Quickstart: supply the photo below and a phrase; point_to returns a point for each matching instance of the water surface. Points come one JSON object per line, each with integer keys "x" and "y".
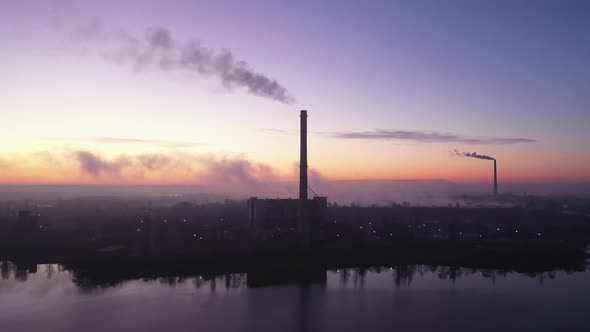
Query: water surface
{"x": 401, "y": 298}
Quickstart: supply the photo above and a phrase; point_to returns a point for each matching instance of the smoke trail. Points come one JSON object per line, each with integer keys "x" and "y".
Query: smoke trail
{"x": 472, "y": 155}
{"x": 158, "y": 48}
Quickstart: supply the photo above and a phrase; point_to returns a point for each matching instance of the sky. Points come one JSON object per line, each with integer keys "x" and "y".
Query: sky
{"x": 178, "y": 91}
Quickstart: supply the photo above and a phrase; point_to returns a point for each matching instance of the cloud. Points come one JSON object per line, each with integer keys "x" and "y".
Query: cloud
{"x": 275, "y": 131}
{"x": 93, "y": 164}
{"x": 239, "y": 177}
{"x": 427, "y": 137}
{"x": 154, "y": 161}
{"x": 207, "y": 169}
{"x": 158, "y": 48}
{"x": 236, "y": 171}
{"x": 234, "y": 175}
{"x": 96, "y": 165}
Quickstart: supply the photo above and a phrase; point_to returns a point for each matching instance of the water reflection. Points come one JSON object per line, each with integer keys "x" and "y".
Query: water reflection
{"x": 20, "y": 272}
{"x": 380, "y": 298}
{"x": 401, "y": 276}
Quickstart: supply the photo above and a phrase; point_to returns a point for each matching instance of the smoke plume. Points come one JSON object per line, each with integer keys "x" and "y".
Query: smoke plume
{"x": 158, "y": 48}
{"x": 472, "y": 155}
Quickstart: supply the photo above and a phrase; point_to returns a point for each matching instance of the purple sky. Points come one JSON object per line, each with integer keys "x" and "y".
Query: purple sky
{"x": 504, "y": 78}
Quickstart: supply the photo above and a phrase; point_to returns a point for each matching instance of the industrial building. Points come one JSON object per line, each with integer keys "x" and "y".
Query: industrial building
{"x": 301, "y": 217}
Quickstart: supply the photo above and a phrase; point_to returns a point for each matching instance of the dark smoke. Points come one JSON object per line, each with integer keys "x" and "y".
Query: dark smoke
{"x": 159, "y": 49}
{"x": 472, "y": 155}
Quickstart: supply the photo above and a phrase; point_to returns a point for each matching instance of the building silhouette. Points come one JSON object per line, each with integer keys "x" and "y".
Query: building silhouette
{"x": 299, "y": 219}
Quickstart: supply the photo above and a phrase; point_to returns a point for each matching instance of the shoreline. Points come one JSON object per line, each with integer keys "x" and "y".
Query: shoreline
{"x": 296, "y": 265}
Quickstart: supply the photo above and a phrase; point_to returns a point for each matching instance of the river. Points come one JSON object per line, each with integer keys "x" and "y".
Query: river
{"x": 401, "y": 298}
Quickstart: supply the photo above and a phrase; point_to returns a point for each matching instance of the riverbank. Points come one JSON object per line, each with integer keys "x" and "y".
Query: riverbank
{"x": 114, "y": 265}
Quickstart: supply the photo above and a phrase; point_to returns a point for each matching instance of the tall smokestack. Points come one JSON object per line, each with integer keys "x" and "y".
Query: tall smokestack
{"x": 480, "y": 156}
{"x": 303, "y": 158}
{"x": 495, "y": 179}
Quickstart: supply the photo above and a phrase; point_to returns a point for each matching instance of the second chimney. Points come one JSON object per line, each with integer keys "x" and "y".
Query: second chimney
{"x": 495, "y": 179}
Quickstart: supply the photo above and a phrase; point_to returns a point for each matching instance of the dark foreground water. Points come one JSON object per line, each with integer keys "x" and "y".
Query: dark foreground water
{"x": 404, "y": 298}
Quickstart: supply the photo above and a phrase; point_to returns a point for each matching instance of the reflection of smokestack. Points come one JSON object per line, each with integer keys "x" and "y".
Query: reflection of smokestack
{"x": 303, "y": 158}
{"x": 495, "y": 179}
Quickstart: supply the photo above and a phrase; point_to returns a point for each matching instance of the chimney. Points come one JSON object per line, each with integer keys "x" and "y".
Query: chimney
{"x": 495, "y": 179}
{"x": 303, "y": 158}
